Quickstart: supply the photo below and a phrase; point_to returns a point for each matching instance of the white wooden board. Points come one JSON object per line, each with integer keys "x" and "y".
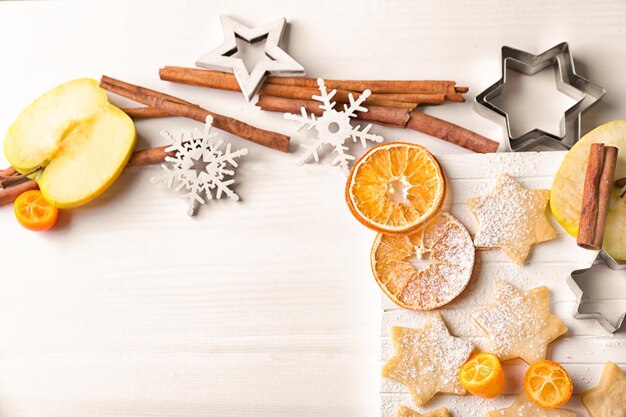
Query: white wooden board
{"x": 265, "y": 308}
{"x": 583, "y": 350}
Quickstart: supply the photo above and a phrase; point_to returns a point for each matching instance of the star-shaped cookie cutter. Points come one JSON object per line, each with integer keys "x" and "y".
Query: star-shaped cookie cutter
{"x": 576, "y": 283}
{"x": 278, "y": 62}
{"x": 568, "y": 82}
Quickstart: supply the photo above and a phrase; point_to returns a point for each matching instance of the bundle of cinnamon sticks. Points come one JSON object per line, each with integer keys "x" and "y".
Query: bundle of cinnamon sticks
{"x": 392, "y": 103}
{"x": 596, "y": 195}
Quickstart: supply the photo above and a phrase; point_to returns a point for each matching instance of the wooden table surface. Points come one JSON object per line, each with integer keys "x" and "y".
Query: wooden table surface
{"x": 265, "y": 307}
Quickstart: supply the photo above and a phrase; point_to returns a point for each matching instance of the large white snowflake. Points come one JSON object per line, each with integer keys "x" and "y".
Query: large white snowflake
{"x": 199, "y": 166}
{"x": 333, "y": 127}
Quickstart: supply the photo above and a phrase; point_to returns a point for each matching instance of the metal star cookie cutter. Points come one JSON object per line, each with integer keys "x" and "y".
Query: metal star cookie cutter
{"x": 576, "y": 282}
{"x": 568, "y": 82}
{"x": 279, "y": 62}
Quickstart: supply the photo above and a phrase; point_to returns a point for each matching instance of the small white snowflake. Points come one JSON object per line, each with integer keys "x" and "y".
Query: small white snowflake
{"x": 333, "y": 127}
{"x": 199, "y": 166}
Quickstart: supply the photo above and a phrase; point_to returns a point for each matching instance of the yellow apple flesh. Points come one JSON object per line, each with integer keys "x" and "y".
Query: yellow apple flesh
{"x": 80, "y": 140}
{"x": 567, "y": 189}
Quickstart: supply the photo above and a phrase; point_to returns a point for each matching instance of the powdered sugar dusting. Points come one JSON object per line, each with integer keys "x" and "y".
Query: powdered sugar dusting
{"x": 423, "y": 353}
{"x": 448, "y": 249}
{"x": 511, "y": 217}
{"x": 520, "y": 324}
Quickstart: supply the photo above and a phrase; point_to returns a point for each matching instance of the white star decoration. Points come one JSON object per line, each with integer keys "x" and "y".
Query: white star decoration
{"x": 199, "y": 166}
{"x": 277, "y": 62}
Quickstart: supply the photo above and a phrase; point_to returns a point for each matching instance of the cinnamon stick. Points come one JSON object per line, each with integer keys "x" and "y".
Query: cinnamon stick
{"x": 8, "y": 172}
{"x": 200, "y": 77}
{"x": 149, "y": 156}
{"x": 378, "y": 86}
{"x": 179, "y": 107}
{"x": 143, "y": 157}
{"x": 226, "y": 81}
{"x": 589, "y": 208}
{"x": 412, "y": 98}
{"x": 8, "y": 195}
{"x": 452, "y": 133}
{"x": 596, "y": 195}
{"x": 604, "y": 194}
{"x": 145, "y": 112}
{"x": 341, "y": 96}
{"x": 388, "y": 116}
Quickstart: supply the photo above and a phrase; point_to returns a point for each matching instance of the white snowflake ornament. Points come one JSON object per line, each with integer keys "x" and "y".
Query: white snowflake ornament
{"x": 199, "y": 166}
{"x": 333, "y": 127}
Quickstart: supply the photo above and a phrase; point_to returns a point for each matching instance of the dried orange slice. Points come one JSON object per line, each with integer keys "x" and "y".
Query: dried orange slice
{"x": 548, "y": 384}
{"x": 34, "y": 212}
{"x": 482, "y": 375}
{"x": 427, "y": 268}
{"x": 395, "y": 188}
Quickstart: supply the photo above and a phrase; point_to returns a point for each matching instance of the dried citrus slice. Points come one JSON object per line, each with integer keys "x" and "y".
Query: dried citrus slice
{"x": 548, "y": 384}
{"x": 482, "y": 375}
{"x": 427, "y": 268}
{"x": 395, "y": 188}
{"x": 34, "y": 212}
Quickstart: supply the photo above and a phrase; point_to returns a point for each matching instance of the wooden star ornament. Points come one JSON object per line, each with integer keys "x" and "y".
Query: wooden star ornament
{"x": 523, "y": 407}
{"x": 608, "y": 398}
{"x": 512, "y": 218}
{"x": 278, "y": 61}
{"x": 519, "y": 324}
{"x": 427, "y": 360}
{"x": 407, "y": 412}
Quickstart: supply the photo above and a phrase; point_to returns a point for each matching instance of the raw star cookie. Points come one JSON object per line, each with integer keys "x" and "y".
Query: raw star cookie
{"x": 511, "y": 218}
{"x": 407, "y": 412}
{"x": 444, "y": 252}
{"x": 427, "y": 360}
{"x": 519, "y": 324}
{"x": 608, "y": 398}
{"x": 522, "y": 407}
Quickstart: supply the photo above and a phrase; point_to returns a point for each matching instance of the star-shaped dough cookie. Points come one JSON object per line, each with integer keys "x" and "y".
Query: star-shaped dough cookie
{"x": 427, "y": 360}
{"x": 520, "y": 324}
{"x": 512, "y": 218}
{"x": 523, "y": 407}
{"x": 407, "y": 412}
{"x": 608, "y": 398}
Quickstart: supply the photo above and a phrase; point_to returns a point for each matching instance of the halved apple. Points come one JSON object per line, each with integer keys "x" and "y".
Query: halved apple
{"x": 567, "y": 188}
{"x": 80, "y": 141}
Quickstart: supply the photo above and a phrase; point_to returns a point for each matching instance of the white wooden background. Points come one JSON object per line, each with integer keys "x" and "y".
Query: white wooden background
{"x": 262, "y": 308}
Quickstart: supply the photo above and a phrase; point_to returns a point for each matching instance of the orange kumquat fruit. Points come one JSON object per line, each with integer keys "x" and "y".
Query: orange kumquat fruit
{"x": 482, "y": 375}
{"x": 34, "y": 212}
{"x": 548, "y": 384}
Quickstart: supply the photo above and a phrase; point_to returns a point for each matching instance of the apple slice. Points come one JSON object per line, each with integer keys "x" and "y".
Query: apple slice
{"x": 79, "y": 139}
{"x": 567, "y": 188}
